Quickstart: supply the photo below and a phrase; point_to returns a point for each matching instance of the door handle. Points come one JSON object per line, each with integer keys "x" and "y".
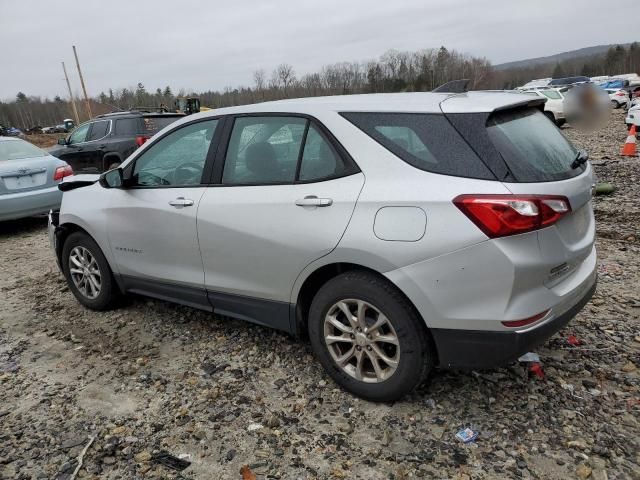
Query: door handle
{"x": 313, "y": 201}
{"x": 181, "y": 202}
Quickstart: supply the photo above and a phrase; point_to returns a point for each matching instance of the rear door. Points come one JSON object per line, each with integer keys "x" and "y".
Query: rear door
{"x": 285, "y": 193}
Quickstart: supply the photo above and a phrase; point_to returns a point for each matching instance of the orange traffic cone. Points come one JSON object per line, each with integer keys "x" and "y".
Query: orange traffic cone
{"x": 629, "y": 148}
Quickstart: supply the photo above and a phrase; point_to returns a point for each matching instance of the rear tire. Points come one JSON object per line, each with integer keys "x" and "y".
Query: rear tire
{"x": 88, "y": 274}
{"x": 380, "y": 316}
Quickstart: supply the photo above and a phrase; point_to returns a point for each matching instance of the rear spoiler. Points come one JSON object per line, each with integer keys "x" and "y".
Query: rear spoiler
{"x": 487, "y": 101}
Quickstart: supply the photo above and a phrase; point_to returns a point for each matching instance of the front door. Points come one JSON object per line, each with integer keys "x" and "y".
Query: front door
{"x": 74, "y": 150}
{"x": 95, "y": 145}
{"x": 152, "y": 222}
{"x": 285, "y": 199}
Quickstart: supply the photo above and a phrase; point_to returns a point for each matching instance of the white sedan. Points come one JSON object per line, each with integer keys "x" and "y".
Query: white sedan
{"x": 619, "y": 97}
{"x": 633, "y": 116}
{"x": 554, "y": 106}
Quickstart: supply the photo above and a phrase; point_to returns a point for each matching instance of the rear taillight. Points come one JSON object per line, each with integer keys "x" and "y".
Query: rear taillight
{"x": 621, "y": 94}
{"x": 62, "y": 172}
{"x": 140, "y": 139}
{"x": 504, "y": 215}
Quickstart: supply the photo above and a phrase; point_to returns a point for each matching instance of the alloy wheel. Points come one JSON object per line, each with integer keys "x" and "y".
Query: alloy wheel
{"x": 85, "y": 272}
{"x": 361, "y": 340}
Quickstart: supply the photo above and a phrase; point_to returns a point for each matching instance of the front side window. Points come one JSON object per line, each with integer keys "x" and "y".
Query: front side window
{"x": 79, "y": 135}
{"x": 263, "y": 150}
{"x": 98, "y": 130}
{"x": 176, "y": 160}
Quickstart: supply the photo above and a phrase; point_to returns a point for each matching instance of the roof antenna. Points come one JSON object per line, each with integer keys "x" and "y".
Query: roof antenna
{"x": 454, "y": 86}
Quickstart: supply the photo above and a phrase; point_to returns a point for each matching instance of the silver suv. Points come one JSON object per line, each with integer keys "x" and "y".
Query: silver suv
{"x": 399, "y": 232}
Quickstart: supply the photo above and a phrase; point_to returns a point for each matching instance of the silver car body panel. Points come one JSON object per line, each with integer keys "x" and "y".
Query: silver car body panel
{"x": 255, "y": 240}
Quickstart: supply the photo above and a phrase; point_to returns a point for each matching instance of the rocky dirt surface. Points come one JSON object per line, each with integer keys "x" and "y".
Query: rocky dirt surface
{"x": 222, "y": 394}
{"x": 44, "y": 140}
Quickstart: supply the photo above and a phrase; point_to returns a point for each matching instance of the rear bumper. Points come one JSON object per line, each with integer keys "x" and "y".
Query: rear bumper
{"x": 26, "y": 204}
{"x": 481, "y": 349}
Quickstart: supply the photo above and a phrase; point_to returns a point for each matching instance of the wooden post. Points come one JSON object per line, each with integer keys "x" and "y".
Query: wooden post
{"x": 84, "y": 89}
{"x": 73, "y": 102}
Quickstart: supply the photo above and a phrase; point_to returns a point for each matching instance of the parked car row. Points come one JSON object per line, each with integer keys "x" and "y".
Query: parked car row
{"x": 106, "y": 140}
{"x": 554, "y": 105}
{"x": 368, "y": 223}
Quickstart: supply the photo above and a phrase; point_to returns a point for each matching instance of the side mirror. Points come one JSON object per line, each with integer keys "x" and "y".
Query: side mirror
{"x": 62, "y": 141}
{"x": 112, "y": 178}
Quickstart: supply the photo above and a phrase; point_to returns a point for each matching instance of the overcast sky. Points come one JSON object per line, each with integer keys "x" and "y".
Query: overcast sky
{"x": 204, "y": 45}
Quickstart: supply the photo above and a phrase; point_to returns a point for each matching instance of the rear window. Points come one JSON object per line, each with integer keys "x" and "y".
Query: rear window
{"x": 155, "y": 124}
{"x": 533, "y": 148}
{"x": 552, "y": 94}
{"x": 426, "y": 141}
{"x": 18, "y": 150}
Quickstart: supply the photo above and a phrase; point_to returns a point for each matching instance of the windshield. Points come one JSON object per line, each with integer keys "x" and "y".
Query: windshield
{"x": 533, "y": 147}
{"x": 19, "y": 149}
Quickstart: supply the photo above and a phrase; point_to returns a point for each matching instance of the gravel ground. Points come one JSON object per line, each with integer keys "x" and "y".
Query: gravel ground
{"x": 223, "y": 394}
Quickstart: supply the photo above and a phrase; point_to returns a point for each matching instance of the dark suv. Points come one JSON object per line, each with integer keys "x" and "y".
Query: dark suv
{"x": 106, "y": 140}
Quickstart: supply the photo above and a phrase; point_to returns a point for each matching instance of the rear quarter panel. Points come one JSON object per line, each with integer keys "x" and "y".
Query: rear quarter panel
{"x": 390, "y": 182}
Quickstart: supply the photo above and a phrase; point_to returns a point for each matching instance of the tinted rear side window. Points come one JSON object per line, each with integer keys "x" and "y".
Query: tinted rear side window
{"x": 532, "y": 146}
{"x": 127, "y": 126}
{"x": 98, "y": 130}
{"x": 155, "y": 124}
{"x": 426, "y": 141}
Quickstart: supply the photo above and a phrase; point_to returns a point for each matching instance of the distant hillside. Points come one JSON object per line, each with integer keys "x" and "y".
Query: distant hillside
{"x": 558, "y": 57}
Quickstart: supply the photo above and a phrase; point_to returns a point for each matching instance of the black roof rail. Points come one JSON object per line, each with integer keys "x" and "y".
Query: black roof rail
{"x": 113, "y": 114}
{"x": 150, "y": 109}
{"x": 454, "y": 86}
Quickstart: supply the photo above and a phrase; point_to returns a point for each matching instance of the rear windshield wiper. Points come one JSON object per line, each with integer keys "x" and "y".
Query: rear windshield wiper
{"x": 581, "y": 159}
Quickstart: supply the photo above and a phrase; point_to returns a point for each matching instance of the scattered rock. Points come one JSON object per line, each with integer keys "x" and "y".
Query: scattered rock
{"x": 583, "y": 471}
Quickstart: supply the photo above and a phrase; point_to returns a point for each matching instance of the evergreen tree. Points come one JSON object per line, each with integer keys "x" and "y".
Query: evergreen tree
{"x": 558, "y": 71}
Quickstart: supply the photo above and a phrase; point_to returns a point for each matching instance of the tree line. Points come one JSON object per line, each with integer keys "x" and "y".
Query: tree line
{"x": 394, "y": 71}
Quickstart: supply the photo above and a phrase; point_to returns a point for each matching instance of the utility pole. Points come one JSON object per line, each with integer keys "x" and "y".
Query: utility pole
{"x": 73, "y": 102}
{"x": 84, "y": 89}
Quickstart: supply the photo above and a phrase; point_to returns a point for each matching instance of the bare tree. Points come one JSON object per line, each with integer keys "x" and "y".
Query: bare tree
{"x": 259, "y": 80}
{"x": 286, "y": 76}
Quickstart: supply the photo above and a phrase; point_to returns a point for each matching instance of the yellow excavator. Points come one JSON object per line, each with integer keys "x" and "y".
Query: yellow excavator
{"x": 189, "y": 105}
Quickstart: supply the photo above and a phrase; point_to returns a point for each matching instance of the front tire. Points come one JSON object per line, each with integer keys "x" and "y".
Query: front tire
{"x": 87, "y": 272}
{"x": 368, "y": 337}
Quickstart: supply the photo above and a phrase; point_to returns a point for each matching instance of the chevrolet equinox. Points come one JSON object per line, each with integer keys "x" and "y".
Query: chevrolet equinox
{"x": 399, "y": 232}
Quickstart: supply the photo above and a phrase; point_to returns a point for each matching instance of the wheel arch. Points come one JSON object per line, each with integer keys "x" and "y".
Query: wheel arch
{"x": 321, "y": 275}
{"x": 64, "y": 230}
